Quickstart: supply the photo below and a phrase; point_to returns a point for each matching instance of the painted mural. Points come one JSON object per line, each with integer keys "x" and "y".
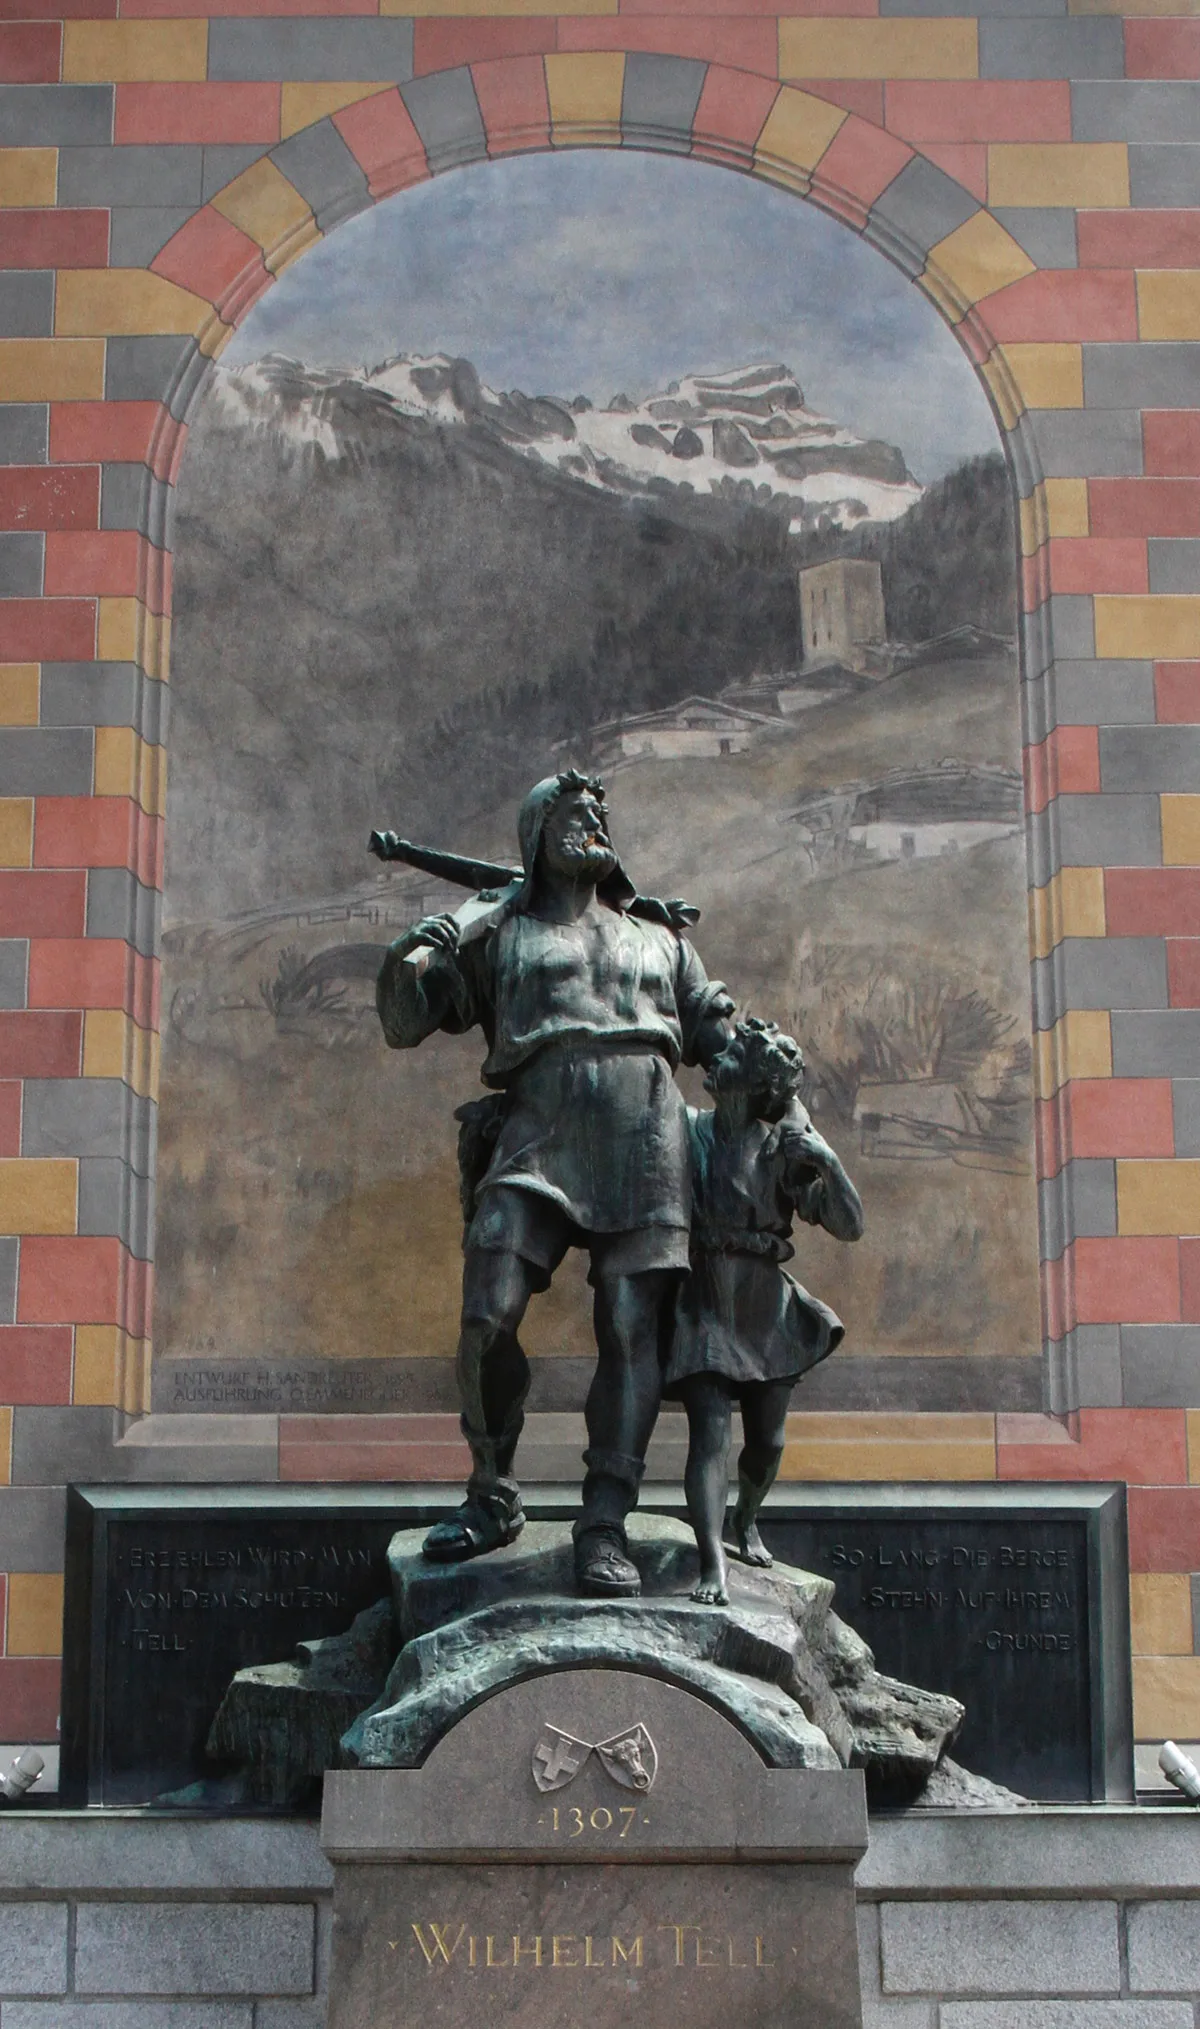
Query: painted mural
{"x": 627, "y": 462}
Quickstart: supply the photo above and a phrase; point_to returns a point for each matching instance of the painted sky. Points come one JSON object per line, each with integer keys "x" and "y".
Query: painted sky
{"x": 598, "y": 271}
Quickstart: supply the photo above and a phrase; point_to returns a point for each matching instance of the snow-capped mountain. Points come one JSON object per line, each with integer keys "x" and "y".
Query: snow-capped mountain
{"x": 744, "y": 434}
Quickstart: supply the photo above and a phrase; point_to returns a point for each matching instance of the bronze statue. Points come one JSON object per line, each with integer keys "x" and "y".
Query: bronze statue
{"x": 589, "y": 996}
{"x": 745, "y": 1330}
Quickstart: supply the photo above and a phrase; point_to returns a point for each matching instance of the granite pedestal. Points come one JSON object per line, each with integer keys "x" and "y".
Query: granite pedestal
{"x": 594, "y": 1844}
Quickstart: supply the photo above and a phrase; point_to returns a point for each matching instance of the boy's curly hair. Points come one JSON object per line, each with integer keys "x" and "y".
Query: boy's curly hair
{"x": 771, "y": 1063}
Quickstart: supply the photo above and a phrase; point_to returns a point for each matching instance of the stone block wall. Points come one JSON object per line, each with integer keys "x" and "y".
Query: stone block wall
{"x": 1034, "y": 167}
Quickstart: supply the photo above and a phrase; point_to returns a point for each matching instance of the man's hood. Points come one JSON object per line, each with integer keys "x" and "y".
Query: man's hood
{"x": 616, "y": 888}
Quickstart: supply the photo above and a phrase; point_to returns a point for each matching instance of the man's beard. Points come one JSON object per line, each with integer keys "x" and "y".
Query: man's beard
{"x": 580, "y": 861}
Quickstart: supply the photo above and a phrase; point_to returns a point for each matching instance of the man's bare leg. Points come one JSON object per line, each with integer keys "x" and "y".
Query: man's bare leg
{"x": 633, "y": 1315}
{"x": 493, "y": 1381}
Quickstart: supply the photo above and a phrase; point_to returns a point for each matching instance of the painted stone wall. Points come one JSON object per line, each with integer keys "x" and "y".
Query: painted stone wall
{"x": 1036, "y": 175}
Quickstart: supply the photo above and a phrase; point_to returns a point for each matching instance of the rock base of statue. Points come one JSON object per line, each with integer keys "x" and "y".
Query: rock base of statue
{"x": 599, "y": 1845}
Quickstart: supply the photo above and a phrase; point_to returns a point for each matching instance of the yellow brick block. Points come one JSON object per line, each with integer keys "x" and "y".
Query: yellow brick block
{"x": 1158, "y": 1197}
{"x": 979, "y": 258}
{"x": 1160, "y": 1613}
{"x": 1078, "y": 1046}
{"x": 1049, "y": 376}
{"x": 427, "y": 9}
{"x": 797, "y": 131}
{"x": 20, "y": 684}
{"x": 860, "y": 1446}
{"x": 1166, "y": 1697}
{"x": 127, "y": 632}
{"x": 127, "y": 52}
{"x": 28, "y": 176}
{"x": 124, "y": 302}
{"x": 585, "y": 93}
{"x": 38, "y": 1194}
{"x": 1033, "y": 521}
{"x": 1193, "y": 1444}
{"x": 1004, "y": 390}
{"x": 1067, "y": 506}
{"x": 1180, "y": 830}
{"x": 52, "y": 369}
{"x": 110, "y": 1369}
{"x": 1070, "y": 905}
{"x": 16, "y": 831}
{"x": 263, "y": 204}
{"x": 1091, "y": 173}
{"x": 1148, "y": 627}
{"x": 115, "y": 1047}
{"x": 126, "y": 765}
{"x": 35, "y": 1613}
{"x": 878, "y": 49}
{"x": 1169, "y": 302}
{"x": 302, "y": 105}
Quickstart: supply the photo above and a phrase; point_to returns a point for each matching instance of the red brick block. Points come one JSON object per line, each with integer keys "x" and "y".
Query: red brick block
{"x": 1144, "y": 1447}
{"x": 733, "y": 109}
{"x": 1129, "y": 507}
{"x": 1152, "y": 902}
{"x": 70, "y": 1279}
{"x": 35, "y": 1364}
{"x": 36, "y": 1044}
{"x": 112, "y": 563}
{"x": 48, "y": 630}
{"x": 1119, "y": 1117}
{"x": 1098, "y": 564}
{"x": 1164, "y": 1528}
{"x": 1049, "y": 1120}
{"x": 1064, "y": 304}
{"x": 216, "y": 113}
{"x": 444, "y": 42}
{"x": 10, "y": 1117}
{"x": 745, "y": 44}
{"x": 1139, "y": 239}
{"x": 1065, "y": 763}
{"x": 862, "y": 160}
{"x": 371, "y": 1448}
{"x": 137, "y": 1297}
{"x": 1171, "y": 442}
{"x": 165, "y": 9}
{"x": 30, "y": 1686}
{"x": 1169, "y": 48}
{"x": 748, "y": 7}
{"x": 53, "y": 239}
{"x": 58, "y": 10}
{"x": 42, "y": 904}
{"x": 863, "y": 96}
{"x": 1183, "y": 971}
{"x": 384, "y": 142}
{"x": 964, "y": 161}
{"x": 212, "y": 258}
{"x": 983, "y": 110}
{"x": 86, "y": 972}
{"x": 1177, "y": 693}
{"x": 30, "y": 53}
{"x": 1131, "y": 1280}
{"x": 38, "y": 496}
{"x": 86, "y": 831}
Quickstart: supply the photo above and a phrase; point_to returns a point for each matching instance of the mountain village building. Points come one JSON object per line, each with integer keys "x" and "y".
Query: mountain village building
{"x": 841, "y": 611}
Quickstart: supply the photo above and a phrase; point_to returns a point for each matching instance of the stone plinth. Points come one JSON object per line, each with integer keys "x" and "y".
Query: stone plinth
{"x": 594, "y": 1844}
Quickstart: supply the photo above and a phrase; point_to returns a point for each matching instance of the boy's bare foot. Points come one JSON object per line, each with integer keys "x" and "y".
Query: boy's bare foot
{"x": 750, "y": 1546}
{"x": 710, "y": 1590}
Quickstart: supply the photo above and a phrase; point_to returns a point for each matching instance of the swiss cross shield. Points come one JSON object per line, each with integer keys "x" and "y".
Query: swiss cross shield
{"x": 557, "y": 1757}
{"x": 631, "y": 1758}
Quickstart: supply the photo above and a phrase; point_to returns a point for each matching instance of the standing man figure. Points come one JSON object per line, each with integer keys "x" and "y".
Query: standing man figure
{"x": 587, "y": 1009}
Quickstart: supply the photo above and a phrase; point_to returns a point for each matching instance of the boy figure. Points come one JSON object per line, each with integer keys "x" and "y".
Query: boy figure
{"x": 745, "y": 1331}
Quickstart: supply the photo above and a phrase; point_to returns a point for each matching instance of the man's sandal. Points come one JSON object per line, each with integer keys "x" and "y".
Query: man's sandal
{"x": 602, "y": 1568}
{"x": 484, "y": 1522}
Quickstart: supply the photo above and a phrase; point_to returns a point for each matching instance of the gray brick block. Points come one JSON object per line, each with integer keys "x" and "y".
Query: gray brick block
{"x": 45, "y": 761}
{"x": 9, "y": 1253}
{"x": 1150, "y": 375}
{"x": 146, "y": 369}
{"x": 14, "y": 971}
{"x": 984, "y": 9}
{"x": 1108, "y": 831}
{"x": 1072, "y": 625}
{"x": 1160, "y": 1365}
{"x": 1067, "y": 2015}
{"x": 131, "y": 497}
{"x": 1174, "y": 561}
{"x": 1156, "y": 1045}
{"x": 445, "y": 113}
{"x": 225, "y": 160}
{"x": 1085, "y": 1370}
{"x": 660, "y": 97}
{"x": 103, "y": 694}
{"x": 194, "y": 1948}
{"x": 41, "y": 116}
{"x": 139, "y": 231}
{"x": 1137, "y": 109}
{"x": 1102, "y": 972}
{"x": 368, "y": 51}
{"x": 69, "y": 1445}
{"x": 1048, "y": 236}
{"x": 1162, "y": 758}
{"x": 88, "y": 1116}
{"x": 118, "y": 905}
{"x": 32, "y": 1524}
{"x": 128, "y": 2015}
{"x": 1164, "y": 176}
{"x": 33, "y": 1948}
{"x": 1087, "y": 47}
{"x": 1000, "y": 1947}
{"x": 1086, "y": 443}
{"x": 22, "y": 556}
{"x": 1164, "y": 1948}
{"x": 24, "y": 433}
{"x": 1089, "y": 693}
{"x": 26, "y": 303}
{"x": 1185, "y": 1095}
{"x": 114, "y": 1200}
{"x": 918, "y": 208}
{"x": 1079, "y": 1203}
{"x": 324, "y": 171}
{"x": 130, "y": 175}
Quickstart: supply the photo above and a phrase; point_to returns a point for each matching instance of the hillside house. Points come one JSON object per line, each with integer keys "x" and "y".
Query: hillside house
{"x": 841, "y": 612}
{"x": 698, "y": 728}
